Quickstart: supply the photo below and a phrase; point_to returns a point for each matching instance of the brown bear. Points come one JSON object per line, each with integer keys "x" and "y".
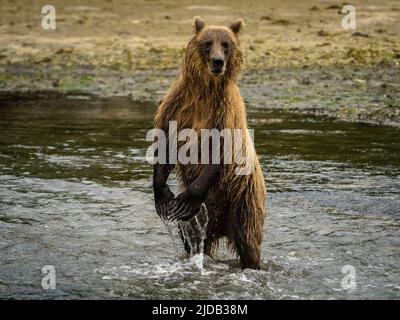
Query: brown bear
{"x": 205, "y": 94}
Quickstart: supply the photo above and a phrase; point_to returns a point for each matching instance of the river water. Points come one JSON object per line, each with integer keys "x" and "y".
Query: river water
{"x": 75, "y": 193}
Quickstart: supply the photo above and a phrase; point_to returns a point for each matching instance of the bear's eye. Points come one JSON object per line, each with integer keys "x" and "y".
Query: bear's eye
{"x": 207, "y": 45}
{"x": 225, "y": 45}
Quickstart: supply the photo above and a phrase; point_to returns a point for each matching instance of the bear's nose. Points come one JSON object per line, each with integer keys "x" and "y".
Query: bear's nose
{"x": 218, "y": 62}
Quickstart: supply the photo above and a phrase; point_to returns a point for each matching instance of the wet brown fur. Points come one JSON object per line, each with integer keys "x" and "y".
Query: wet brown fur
{"x": 199, "y": 100}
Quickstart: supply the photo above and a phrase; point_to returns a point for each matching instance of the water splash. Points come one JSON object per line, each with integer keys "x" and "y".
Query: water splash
{"x": 192, "y": 234}
{"x": 171, "y": 226}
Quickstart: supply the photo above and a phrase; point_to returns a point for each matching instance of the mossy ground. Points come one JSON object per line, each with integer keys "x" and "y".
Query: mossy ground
{"x": 297, "y": 55}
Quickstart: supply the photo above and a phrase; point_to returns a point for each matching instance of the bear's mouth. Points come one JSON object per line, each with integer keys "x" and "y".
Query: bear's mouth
{"x": 217, "y": 71}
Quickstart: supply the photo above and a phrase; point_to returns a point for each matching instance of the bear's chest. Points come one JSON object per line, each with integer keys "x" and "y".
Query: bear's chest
{"x": 197, "y": 118}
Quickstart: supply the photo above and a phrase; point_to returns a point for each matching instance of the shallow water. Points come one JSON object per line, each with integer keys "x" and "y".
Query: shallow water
{"x": 75, "y": 193}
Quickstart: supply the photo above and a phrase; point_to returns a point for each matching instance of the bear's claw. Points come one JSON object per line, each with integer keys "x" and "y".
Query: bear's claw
{"x": 163, "y": 201}
{"x": 183, "y": 209}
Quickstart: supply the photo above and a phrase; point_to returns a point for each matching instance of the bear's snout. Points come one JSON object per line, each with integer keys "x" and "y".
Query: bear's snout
{"x": 217, "y": 65}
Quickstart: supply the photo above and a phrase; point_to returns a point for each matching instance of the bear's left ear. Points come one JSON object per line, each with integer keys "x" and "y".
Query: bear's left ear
{"x": 237, "y": 26}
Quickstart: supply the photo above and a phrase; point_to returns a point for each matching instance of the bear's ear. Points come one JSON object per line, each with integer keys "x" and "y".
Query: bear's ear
{"x": 237, "y": 26}
{"x": 198, "y": 24}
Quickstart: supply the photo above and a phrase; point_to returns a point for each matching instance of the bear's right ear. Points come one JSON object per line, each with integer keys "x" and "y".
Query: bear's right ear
{"x": 198, "y": 24}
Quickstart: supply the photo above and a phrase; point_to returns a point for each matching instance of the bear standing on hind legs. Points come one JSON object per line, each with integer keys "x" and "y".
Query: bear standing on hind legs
{"x": 205, "y": 95}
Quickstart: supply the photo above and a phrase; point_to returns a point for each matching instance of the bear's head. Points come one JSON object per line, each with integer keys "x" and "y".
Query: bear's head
{"x": 215, "y": 49}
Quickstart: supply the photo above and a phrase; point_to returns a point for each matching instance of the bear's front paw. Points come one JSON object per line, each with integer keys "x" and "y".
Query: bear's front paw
{"x": 184, "y": 208}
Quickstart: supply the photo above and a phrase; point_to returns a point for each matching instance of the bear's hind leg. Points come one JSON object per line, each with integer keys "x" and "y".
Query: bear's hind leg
{"x": 249, "y": 254}
{"x": 248, "y": 234}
